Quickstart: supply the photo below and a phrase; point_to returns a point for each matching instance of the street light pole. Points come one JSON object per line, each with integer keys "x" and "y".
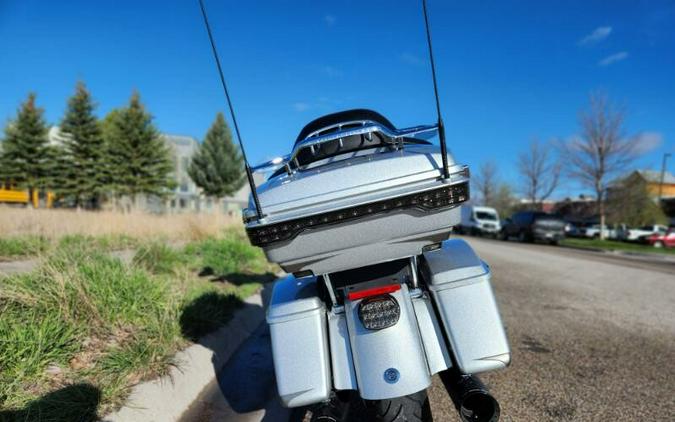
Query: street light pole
{"x": 663, "y": 174}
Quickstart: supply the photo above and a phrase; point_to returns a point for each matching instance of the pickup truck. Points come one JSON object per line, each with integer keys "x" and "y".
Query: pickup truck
{"x": 640, "y": 234}
{"x": 610, "y": 232}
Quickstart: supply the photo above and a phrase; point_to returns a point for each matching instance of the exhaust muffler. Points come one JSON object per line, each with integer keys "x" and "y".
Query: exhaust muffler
{"x": 471, "y": 398}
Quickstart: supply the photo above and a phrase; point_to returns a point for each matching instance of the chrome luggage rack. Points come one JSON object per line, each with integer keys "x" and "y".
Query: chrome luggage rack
{"x": 394, "y": 137}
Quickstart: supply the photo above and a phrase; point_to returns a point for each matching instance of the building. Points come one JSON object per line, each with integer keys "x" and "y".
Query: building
{"x": 652, "y": 179}
{"x": 580, "y": 209}
{"x": 187, "y": 197}
{"x": 546, "y": 205}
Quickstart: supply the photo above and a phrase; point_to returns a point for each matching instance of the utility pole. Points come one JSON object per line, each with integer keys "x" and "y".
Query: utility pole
{"x": 663, "y": 174}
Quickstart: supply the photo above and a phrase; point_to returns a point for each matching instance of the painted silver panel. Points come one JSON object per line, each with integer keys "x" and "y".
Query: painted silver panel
{"x": 385, "y": 237}
{"x": 344, "y": 377}
{"x": 460, "y": 285}
{"x": 297, "y": 320}
{"x": 360, "y": 178}
{"x": 363, "y": 177}
{"x": 396, "y": 351}
{"x": 435, "y": 349}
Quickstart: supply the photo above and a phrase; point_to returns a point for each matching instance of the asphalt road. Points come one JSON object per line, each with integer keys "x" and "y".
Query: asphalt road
{"x": 592, "y": 338}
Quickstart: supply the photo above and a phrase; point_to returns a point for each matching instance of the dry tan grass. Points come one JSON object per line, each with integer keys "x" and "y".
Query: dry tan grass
{"x": 54, "y": 224}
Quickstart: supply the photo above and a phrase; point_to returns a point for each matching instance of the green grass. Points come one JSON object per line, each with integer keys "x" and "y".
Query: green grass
{"x": 27, "y": 246}
{"x": 233, "y": 244}
{"x": 22, "y": 246}
{"x": 84, "y": 327}
{"x": 109, "y": 242}
{"x": 159, "y": 258}
{"x": 616, "y": 245}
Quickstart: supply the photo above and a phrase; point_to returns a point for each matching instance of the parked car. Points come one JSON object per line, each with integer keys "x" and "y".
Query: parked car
{"x": 662, "y": 240}
{"x": 610, "y": 232}
{"x": 636, "y": 235}
{"x": 479, "y": 220}
{"x": 528, "y": 226}
{"x": 572, "y": 229}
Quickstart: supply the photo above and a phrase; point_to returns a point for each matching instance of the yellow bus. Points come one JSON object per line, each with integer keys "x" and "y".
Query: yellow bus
{"x": 11, "y": 195}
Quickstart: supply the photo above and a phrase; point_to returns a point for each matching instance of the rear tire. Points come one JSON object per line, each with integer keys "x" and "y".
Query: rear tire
{"x": 413, "y": 407}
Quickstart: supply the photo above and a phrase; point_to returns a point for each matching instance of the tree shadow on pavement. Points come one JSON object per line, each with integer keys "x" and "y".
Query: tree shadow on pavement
{"x": 74, "y": 403}
{"x": 245, "y": 381}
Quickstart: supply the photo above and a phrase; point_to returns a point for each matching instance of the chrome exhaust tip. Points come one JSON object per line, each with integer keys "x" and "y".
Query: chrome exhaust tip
{"x": 471, "y": 398}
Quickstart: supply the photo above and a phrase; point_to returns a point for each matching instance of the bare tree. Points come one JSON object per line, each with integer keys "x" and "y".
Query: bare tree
{"x": 601, "y": 151}
{"x": 504, "y": 201}
{"x": 485, "y": 181}
{"x": 540, "y": 171}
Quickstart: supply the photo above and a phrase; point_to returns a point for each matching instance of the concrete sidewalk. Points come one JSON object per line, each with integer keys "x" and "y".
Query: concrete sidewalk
{"x": 167, "y": 398}
{"x": 244, "y": 389}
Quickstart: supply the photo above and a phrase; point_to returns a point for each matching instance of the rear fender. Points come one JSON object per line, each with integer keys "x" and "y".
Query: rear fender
{"x": 390, "y": 362}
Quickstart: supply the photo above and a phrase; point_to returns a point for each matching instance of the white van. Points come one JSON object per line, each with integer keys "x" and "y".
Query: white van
{"x": 479, "y": 220}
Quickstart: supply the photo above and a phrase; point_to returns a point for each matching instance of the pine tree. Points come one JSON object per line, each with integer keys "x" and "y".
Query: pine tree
{"x": 217, "y": 167}
{"x": 83, "y": 145}
{"x": 24, "y": 161}
{"x": 108, "y": 130}
{"x": 138, "y": 160}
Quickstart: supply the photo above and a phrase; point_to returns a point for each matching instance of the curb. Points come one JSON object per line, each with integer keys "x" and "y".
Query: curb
{"x": 167, "y": 398}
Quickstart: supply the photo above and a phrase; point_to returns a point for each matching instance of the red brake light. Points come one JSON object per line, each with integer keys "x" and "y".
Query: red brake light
{"x": 374, "y": 291}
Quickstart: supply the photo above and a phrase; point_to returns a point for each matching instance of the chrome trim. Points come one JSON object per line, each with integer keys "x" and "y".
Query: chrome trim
{"x": 413, "y": 267}
{"x": 271, "y": 165}
{"x": 331, "y": 292}
{"x": 367, "y": 128}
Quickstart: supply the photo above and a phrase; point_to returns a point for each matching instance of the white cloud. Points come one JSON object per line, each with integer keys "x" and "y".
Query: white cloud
{"x": 330, "y": 20}
{"x": 332, "y": 72}
{"x": 411, "y": 59}
{"x": 596, "y": 36}
{"x": 613, "y": 58}
{"x": 300, "y": 106}
{"x": 648, "y": 141}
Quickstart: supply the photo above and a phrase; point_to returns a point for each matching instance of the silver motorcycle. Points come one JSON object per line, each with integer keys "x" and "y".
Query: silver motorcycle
{"x": 377, "y": 299}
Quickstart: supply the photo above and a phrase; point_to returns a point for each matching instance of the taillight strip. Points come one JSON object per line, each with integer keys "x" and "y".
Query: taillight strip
{"x": 431, "y": 200}
{"x": 373, "y": 291}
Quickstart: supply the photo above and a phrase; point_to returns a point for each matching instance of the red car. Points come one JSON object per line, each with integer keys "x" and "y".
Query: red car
{"x": 660, "y": 240}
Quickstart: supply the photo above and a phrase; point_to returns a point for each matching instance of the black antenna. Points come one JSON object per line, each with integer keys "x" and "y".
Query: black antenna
{"x": 441, "y": 128}
{"x": 249, "y": 174}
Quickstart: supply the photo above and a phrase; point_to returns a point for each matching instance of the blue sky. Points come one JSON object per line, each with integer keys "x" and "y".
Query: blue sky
{"x": 508, "y": 71}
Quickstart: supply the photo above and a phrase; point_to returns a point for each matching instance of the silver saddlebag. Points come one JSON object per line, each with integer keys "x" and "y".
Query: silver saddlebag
{"x": 460, "y": 286}
{"x": 297, "y": 320}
